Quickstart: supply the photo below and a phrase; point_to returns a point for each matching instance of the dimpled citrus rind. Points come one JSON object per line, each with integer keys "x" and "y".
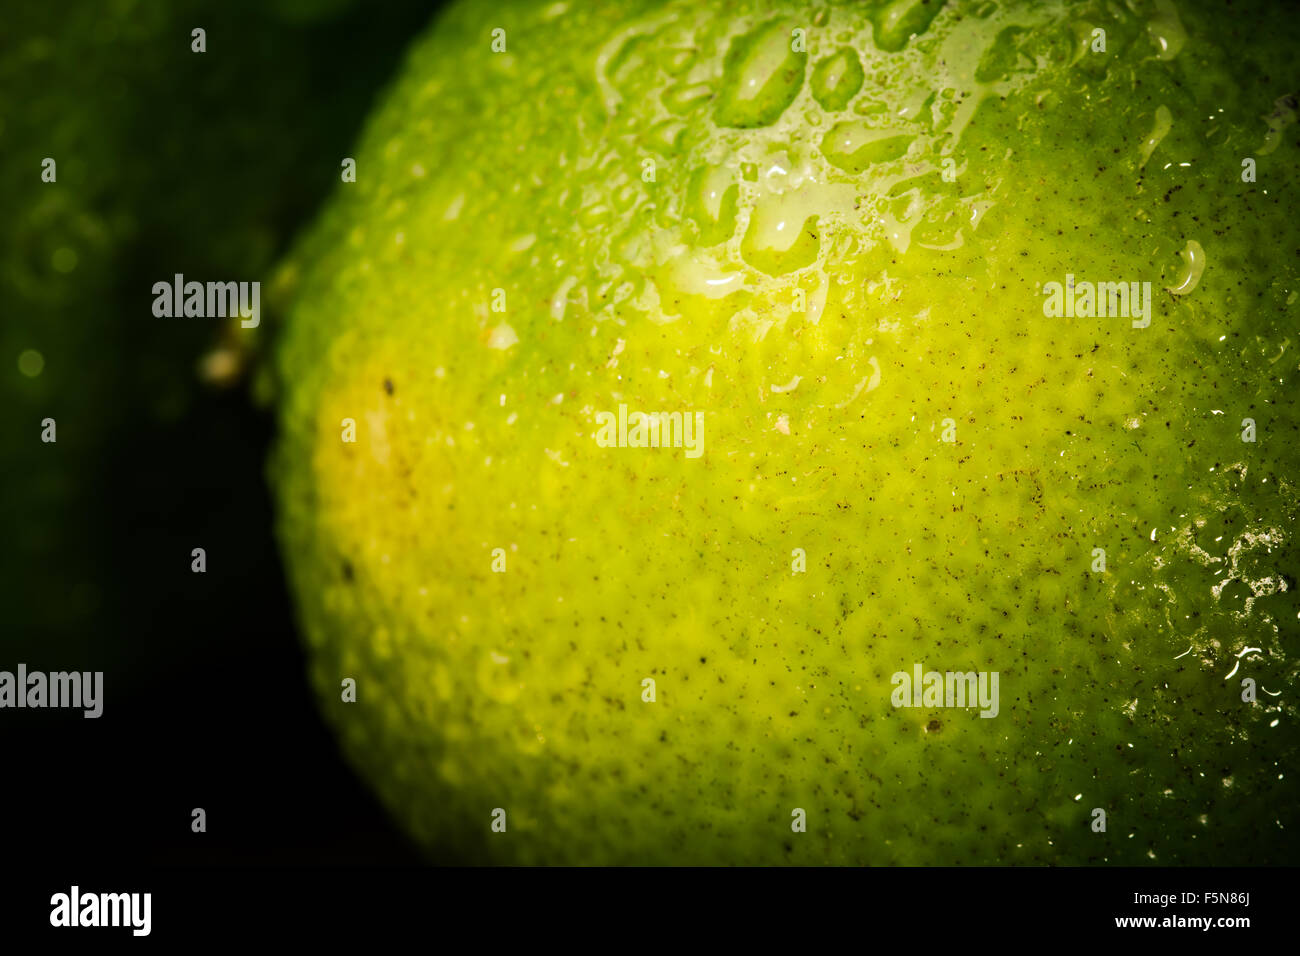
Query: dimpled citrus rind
{"x": 663, "y": 207}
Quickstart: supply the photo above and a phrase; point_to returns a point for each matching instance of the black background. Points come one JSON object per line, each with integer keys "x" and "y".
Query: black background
{"x": 220, "y": 159}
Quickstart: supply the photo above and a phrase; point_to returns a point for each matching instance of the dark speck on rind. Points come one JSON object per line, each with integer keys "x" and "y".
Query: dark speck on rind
{"x": 933, "y": 726}
{"x": 388, "y": 386}
{"x": 347, "y": 571}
